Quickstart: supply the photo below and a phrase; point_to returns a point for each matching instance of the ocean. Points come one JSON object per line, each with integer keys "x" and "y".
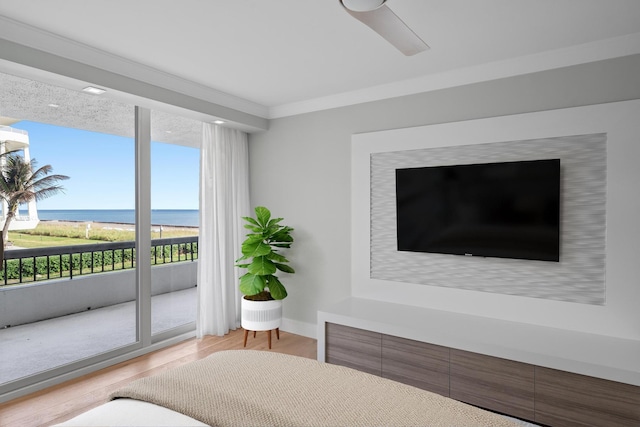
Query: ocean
{"x": 176, "y": 217}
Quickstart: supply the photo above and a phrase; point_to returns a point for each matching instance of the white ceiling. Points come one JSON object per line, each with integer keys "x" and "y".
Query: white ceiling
{"x": 292, "y": 56}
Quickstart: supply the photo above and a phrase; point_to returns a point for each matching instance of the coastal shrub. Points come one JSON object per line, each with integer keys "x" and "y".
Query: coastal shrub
{"x": 27, "y": 267}
{"x": 108, "y": 258}
{"x": 161, "y": 253}
{"x": 179, "y": 252}
{"x": 14, "y": 268}
{"x": 53, "y": 266}
{"x": 185, "y": 251}
{"x": 11, "y": 270}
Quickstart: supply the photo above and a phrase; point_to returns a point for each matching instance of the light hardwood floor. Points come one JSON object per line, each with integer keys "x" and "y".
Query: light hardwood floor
{"x": 64, "y": 401}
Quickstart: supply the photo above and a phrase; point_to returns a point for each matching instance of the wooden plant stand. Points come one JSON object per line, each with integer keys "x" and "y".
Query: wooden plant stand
{"x": 246, "y": 333}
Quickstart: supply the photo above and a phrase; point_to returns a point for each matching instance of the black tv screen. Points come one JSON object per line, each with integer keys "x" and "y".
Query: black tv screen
{"x": 505, "y": 210}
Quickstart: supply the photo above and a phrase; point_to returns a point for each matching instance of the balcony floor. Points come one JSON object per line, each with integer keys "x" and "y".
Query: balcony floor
{"x": 37, "y": 347}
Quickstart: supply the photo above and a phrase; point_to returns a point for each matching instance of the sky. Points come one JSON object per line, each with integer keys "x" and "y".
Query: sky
{"x": 100, "y": 168}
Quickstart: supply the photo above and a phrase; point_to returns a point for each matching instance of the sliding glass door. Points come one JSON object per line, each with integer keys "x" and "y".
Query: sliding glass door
{"x": 91, "y": 272}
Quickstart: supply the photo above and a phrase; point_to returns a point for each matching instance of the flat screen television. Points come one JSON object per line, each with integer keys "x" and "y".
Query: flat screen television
{"x": 504, "y": 210}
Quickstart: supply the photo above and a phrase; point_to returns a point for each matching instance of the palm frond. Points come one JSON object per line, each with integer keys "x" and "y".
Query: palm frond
{"x": 21, "y": 181}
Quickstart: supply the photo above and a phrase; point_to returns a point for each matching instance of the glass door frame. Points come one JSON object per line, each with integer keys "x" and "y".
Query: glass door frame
{"x": 143, "y": 224}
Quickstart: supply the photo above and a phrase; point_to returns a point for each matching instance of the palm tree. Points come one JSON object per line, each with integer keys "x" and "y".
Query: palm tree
{"x": 20, "y": 183}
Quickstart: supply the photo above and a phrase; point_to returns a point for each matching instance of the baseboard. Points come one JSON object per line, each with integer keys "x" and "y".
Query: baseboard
{"x": 297, "y": 327}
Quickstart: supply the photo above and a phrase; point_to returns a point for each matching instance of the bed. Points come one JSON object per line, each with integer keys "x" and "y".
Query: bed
{"x": 260, "y": 388}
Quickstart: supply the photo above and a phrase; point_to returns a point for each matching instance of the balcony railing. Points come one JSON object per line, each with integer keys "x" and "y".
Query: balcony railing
{"x": 31, "y": 265}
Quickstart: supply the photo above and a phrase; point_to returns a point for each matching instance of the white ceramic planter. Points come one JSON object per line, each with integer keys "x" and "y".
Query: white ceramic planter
{"x": 261, "y": 315}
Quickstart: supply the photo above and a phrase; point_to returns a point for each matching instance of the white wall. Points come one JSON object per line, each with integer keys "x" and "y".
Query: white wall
{"x": 301, "y": 167}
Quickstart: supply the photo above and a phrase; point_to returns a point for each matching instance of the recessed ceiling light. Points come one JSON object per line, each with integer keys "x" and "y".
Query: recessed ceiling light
{"x": 54, "y": 105}
{"x": 218, "y": 122}
{"x": 167, "y": 131}
{"x": 94, "y": 90}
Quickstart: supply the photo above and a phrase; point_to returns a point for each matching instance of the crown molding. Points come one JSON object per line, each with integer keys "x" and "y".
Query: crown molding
{"x": 559, "y": 58}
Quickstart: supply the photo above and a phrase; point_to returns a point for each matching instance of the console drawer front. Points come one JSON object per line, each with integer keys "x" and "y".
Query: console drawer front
{"x": 416, "y": 363}
{"x": 354, "y": 348}
{"x": 489, "y": 382}
{"x": 564, "y": 397}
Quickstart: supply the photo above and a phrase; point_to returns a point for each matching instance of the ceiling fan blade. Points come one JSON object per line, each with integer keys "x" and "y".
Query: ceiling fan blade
{"x": 383, "y": 21}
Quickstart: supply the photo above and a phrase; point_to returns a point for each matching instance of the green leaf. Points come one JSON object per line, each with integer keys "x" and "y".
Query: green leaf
{"x": 242, "y": 258}
{"x": 263, "y": 215}
{"x": 276, "y": 288}
{"x": 253, "y": 238}
{"x": 269, "y": 232}
{"x": 281, "y": 245}
{"x": 242, "y": 265}
{"x": 251, "y": 220}
{"x": 252, "y": 248}
{"x": 282, "y": 236}
{"x": 251, "y": 284}
{"x": 261, "y": 266}
{"x": 284, "y": 267}
{"x": 274, "y": 256}
{"x": 274, "y": 222}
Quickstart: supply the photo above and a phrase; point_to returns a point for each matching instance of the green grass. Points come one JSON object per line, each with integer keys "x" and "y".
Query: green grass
{"x": 48, "y": 234}
{"x": 24, "y": 240}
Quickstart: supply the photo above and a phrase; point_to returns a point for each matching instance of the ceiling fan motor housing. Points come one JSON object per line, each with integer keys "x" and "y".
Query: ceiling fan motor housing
{"x": 363, "y": 5}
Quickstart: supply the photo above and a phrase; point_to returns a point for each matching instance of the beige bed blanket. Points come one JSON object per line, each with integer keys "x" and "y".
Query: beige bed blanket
{"x": 258, "y": 388}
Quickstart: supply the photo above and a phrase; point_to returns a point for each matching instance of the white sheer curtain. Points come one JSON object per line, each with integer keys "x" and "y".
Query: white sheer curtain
{"x": 224, "y": 200}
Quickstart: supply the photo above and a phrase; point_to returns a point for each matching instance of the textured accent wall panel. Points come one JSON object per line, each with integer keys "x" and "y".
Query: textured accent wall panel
{"x": 578, "y": 277}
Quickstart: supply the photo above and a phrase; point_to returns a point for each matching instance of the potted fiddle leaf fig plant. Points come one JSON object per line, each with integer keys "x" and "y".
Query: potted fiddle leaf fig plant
{"x": 263, "y": 292}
